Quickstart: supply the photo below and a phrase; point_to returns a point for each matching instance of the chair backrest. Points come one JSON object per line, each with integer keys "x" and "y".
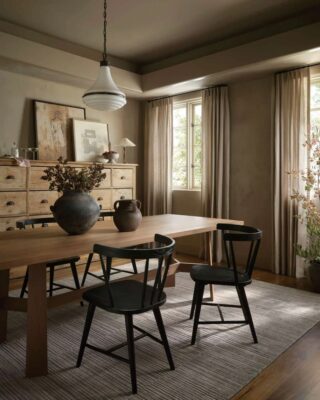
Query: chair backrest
{"x": 35, "y": 221}
{"x": 240, "y": 233}
{"x": 104, "y": 214}
{"x": 161, "y": 249}
{"x": 50, "y": 220}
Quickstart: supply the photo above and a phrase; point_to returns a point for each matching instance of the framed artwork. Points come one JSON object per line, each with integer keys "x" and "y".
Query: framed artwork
{"x": 53, "y": 124}
{"x": 90, "y": 139}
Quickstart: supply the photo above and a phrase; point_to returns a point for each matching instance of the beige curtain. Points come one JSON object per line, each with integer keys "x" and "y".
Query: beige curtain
{"x": 292, "y": 93}
{"x": 215, "y": 159}
{"x": 157, "y": 156}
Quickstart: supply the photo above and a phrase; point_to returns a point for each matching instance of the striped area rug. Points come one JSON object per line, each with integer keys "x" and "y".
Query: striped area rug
{"x": 223, "y": 360}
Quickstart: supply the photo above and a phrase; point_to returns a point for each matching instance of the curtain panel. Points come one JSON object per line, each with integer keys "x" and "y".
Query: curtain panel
{"x": 158, "y": 156}
{"x": 215, "y": 160}
{"x": 291, "y": 127}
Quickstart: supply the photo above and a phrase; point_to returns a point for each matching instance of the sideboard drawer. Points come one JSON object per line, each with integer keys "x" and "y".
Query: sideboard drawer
{"x": 103, "y": 197}
{"x": 35, "y": 179}
{"x": 121, "y": 194}
{"x": 13, "y": 203}
{"x": 106, "y": 183}
{"x": 13, "y": 177}
{"x": 40, "y": 202}
{"x": 9, "y": 223}
{"x": 122, "y": 177}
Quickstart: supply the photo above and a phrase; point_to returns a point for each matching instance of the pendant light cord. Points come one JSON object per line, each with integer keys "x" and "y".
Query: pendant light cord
{"x": 104, "y": 54}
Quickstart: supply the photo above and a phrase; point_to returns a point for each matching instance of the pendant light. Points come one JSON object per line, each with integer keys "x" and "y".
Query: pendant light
{"x": 104, "y": 94}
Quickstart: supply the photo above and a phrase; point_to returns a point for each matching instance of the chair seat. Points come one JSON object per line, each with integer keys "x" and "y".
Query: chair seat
{"x": 126, "y": 296}
{"x": 62, "y": 261}
{"x": 217, "y": 275}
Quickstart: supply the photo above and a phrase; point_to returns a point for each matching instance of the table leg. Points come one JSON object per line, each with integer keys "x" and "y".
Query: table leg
{"x": 4, "y": 291}
{"x": 37, "y": 358}
{"x": 171, "y": 278}
{"x": 210, "y": 259}
{"x": 171, "y": 281}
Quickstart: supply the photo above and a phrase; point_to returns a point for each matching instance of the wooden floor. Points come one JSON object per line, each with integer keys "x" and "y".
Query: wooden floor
{"x": 294, "y": 375}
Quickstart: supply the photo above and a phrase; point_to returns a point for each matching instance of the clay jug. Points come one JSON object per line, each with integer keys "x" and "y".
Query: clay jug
{"x": 127, "y": 216}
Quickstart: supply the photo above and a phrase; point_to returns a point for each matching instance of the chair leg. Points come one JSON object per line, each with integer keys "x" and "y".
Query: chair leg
{"x": 246, "y": 311}
{"x": 162, "y": 331}
{"x": 134, "y": 266}
{"x": 200, "y": 290}
{"x": 25, "y": 283}
{"x": 51, "y": 274}
{"x": 75, "y": 278}
{"x": 86, "y": 331}
{"x": 132, "y": 361}
{"x": 75, "y": 274}
{"x": 193, "y": 305}
{"x": 86, "y": 269}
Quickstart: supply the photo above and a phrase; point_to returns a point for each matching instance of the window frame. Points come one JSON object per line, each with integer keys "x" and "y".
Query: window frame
{"x": 313, "y": 81}
{"x": 190, "y": 105}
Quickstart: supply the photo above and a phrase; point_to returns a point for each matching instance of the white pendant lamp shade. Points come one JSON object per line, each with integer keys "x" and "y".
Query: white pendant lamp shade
{"x": 104, "y": 94}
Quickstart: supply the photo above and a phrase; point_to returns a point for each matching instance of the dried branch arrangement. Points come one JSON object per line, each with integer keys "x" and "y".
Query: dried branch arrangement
{"x": 64, "y": 178}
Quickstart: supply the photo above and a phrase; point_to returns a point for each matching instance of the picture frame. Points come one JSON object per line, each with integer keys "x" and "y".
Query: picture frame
{"x": 53, "y": 126}
{"x": 90, "y": 139}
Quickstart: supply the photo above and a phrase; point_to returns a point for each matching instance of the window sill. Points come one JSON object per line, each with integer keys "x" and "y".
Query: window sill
{"x": 186, "y": 190}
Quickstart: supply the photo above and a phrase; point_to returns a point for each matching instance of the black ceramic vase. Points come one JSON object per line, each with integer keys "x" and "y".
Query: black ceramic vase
{"x": 76, "y": 212}
{"x": 127, "y": 216}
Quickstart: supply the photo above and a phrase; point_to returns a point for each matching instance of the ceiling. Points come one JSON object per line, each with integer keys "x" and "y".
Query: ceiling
{"x": 148, "y": 31}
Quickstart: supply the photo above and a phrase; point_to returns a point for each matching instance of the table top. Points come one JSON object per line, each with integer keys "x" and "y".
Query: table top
{"x": 40, "y": 245}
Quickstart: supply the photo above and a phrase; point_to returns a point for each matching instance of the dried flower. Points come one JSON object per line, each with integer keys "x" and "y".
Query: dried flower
{"x": 310, "y": 199}
{"x": 64, "y": 178}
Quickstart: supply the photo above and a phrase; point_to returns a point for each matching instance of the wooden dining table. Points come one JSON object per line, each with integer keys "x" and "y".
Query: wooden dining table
{"x": 36, "y": 247}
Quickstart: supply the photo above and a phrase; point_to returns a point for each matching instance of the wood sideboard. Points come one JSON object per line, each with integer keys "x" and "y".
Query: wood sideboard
{"x": 23, "y": 194}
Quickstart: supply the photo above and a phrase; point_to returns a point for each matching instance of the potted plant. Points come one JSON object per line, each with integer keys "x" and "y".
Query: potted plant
{"x": 309, "y": 201}
{"x": 75, "y": 211}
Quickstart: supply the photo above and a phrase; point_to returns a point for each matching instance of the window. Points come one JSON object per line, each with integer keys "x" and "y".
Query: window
{"x": 314, "y": 139}
{"x": 315, "y": 106}
{"x": 186, "y": 161}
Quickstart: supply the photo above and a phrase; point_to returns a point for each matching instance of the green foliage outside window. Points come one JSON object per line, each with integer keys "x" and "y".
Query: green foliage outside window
{"x": 186, "y": 161}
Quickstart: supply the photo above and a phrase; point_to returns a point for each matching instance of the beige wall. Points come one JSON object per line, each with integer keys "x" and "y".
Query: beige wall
{"x": 16, "y": 112}
{"x": 251, "y": 171}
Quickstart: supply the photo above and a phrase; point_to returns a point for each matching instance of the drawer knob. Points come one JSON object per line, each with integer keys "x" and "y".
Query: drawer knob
{"x": 10, "y": 177}
{"x": 100, "y": 198}
{"x": 10, "y": 203}
{"x": 44, "y": 201}
{"x": 11, "y": 228}
{"x": 122, "y": 177}
{"x": 122, "y": 197}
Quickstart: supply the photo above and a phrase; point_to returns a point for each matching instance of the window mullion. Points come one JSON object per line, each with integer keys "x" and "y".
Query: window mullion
{"x": 187, "y": 143}
{"x": 192, "y": 147}
{"x": 190, "y": 160}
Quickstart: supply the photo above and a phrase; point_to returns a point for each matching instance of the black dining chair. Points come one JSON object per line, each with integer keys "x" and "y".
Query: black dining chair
{"x": 231, "y": 275}
{"x": 130, "y": 297}
{"x": 103, "y": 215}
{"x": 44, "y": 222}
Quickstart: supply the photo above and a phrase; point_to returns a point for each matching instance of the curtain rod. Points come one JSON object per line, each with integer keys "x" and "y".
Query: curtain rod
{"x": 296, "y": 68}
{"x": 223, "y": 84}
{"x": 180, "y": 94}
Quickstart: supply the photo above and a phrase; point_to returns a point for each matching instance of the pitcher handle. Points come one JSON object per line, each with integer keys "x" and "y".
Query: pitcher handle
{"x": 139, "y": 204}
{"x": 115, "y": 204}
